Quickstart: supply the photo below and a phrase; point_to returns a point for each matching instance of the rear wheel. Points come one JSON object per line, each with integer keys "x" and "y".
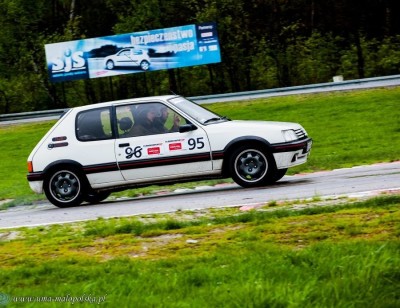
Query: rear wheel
{"x": 64, "y": 187}
{"x": 110, "y": 65}
{"x": 251, "y": 167}
{"x": 96, "y": 197}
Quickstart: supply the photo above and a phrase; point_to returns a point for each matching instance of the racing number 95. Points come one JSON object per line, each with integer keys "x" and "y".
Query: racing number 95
{"x": 196, "y": 143}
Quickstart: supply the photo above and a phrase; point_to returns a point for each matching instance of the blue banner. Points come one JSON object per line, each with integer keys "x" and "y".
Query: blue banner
{"x": 133, "y": 52}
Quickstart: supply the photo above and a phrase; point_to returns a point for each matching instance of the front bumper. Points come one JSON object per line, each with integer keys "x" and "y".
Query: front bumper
{"x": 291, "y": 154}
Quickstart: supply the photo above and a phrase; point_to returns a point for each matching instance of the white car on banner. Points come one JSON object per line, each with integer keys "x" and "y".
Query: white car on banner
{"x": 128, "y": 57}
{"x": 96, "y": 149}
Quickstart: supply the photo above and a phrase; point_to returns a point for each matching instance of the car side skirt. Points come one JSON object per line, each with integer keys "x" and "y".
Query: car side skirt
{"x": 289, "y": 149}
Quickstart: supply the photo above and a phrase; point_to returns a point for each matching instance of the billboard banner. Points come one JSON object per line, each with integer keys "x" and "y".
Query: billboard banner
{"x": 133, "y": 52}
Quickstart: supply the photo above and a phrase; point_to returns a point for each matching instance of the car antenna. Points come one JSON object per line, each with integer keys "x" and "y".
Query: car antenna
{"x": 173, "y": 92}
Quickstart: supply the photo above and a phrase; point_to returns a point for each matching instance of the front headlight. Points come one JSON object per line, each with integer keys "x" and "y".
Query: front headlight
{"x": 289, "y": 135}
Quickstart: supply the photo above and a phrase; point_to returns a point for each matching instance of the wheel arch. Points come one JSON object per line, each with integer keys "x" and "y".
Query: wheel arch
{"x": 66, "y": 163}
{"x": 65, "y": 183}
{"x": 63, "y": 162}
{"x": 112, "y": 61}
{"x": 244, "y": 141}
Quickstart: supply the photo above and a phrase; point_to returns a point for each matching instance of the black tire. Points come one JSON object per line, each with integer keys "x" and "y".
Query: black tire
{"x": 251, "y": 167}
{"x": 65, "y": 187}
{"x": 144, "y": 65}
{"x": 110, "y": 65}
{"x": 94, "y": 197}
{"x": 279, "y": 173}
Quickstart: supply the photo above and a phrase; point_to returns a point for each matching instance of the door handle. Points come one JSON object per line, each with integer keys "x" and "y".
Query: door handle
{"x": 124, "y": 145}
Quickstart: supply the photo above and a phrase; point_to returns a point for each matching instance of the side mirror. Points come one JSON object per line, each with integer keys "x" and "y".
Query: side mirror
{"x": 187, "y": 128}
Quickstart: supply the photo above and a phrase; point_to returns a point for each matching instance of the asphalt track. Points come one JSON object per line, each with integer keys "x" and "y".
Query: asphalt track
{"x": 351, "y": 182}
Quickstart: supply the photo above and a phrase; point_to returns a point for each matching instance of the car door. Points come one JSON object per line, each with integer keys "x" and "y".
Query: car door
{"x": 150, "y": 147}
{"x": 124, "y": 58}
{"x": 94, "y": 146}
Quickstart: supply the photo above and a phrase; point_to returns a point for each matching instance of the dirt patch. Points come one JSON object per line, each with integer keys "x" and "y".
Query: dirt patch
{"x": 9, "y": 236}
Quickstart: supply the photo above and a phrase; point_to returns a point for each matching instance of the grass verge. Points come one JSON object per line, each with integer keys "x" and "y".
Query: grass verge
{"x": 338, "y": 255}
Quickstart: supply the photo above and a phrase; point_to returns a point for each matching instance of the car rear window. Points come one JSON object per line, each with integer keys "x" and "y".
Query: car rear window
{"x": 94, "y": 125}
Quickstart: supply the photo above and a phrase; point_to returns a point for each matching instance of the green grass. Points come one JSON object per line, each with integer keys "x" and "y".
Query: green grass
{"x": 17, "y": 141}
{"x": 341, "y": 255}
{"x": 348, "y": 128}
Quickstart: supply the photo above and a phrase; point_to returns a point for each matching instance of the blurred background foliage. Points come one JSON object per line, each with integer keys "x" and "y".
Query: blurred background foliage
{"x": 264, "y": 44}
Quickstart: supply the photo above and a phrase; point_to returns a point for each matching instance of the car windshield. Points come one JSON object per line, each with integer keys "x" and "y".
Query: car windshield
{"x": 199, "y": 113}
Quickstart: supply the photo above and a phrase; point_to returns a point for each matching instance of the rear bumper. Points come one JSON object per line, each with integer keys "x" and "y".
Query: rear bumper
{"x": 35, "y": 176}
{"x": 35, "y": 180}
{"x": 36, "y": 186}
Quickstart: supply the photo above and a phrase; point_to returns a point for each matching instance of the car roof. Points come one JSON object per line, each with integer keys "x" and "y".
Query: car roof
{"x": 125, "y": 101}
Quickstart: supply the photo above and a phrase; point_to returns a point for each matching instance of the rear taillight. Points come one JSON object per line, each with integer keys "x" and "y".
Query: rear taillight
{"x": 30, "y": 166}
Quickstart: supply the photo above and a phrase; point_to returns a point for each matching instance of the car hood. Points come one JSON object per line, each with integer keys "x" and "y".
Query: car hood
{"x": 268, "y": 130}
{"x": 254, "y": 125}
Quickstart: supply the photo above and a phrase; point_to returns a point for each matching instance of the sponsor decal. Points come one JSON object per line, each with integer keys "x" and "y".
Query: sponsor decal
{"x": 175, "y": 140}
{"x": 153, "y": 151}
{"x": 175, "y": 146}
{"x": 152, "y": 145}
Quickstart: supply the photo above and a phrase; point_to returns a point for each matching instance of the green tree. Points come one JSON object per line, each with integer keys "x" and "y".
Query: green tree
{"x": 264, "y": 44}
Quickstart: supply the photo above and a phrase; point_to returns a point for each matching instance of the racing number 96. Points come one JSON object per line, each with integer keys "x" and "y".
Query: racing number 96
{"x": 196, "y": 143}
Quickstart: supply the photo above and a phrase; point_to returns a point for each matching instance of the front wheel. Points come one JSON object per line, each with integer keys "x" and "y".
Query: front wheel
{"x": 64, "y": 188}
{"x": 144, "y": 65}
{"x": 279, "y": 173}
{"x": 251, "y": 167}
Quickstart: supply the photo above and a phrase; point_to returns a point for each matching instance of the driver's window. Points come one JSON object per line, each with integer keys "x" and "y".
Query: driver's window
{"x": 147, "y": 119}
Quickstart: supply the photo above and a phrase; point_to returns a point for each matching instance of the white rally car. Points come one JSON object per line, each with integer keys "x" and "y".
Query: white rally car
{"x": 96, "y": 149}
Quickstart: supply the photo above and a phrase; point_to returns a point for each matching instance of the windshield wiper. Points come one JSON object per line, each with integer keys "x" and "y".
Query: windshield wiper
{"x": 215, "y": 119}
{"x": 211, "y": 120}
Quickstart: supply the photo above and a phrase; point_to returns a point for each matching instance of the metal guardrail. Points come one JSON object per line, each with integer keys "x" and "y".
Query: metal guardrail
{"x": 385, "y": 81}
{"x": 31, "y": 114}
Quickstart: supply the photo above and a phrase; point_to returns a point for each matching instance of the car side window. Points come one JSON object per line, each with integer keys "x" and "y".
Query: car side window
{"x": 125, "y": 53}
{"x": 94, "y": 125}
{"x": 147, "y": 119}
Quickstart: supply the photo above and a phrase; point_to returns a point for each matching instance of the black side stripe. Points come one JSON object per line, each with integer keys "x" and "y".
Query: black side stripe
{"x": 217, "y": 155}
{"x": 100, "y": 168}
{"x": 143, "y": 163}
{"x": 156, "y": 162}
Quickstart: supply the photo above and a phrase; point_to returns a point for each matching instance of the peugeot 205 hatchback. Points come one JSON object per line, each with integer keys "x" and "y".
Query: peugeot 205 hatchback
{"x": 96, "y": 149}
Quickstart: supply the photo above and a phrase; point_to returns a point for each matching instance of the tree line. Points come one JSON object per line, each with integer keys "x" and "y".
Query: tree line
{"x": 264, "y": 44}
